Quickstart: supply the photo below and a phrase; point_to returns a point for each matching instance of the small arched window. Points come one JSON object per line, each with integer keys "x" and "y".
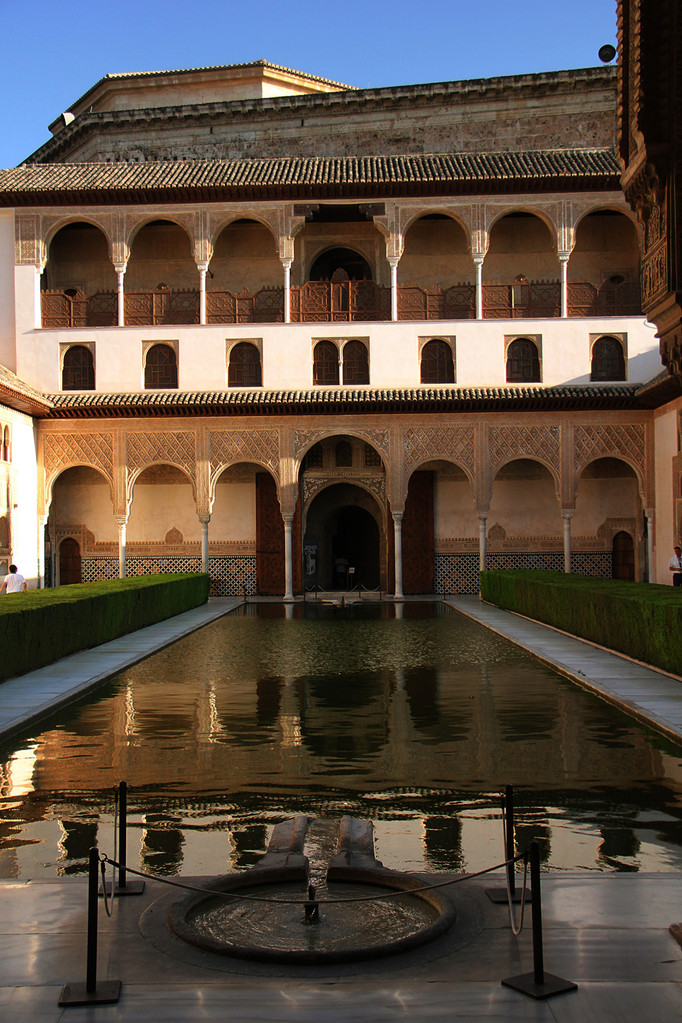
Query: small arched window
{"x": 161, "y": 367}
{"x": 437, "y": 366}
{"x": 245, "y": 368}
{"x": 355, "y": 363}
{"x": 608, "y": 361}
{"x": 314, "y": 458}
{"x": 523, "y": 363}
{"x": 78, "y": 369}
{"x": 325, "y": 363}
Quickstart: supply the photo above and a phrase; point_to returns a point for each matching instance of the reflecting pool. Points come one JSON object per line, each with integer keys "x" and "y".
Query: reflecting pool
{"x": 416, "y": 718}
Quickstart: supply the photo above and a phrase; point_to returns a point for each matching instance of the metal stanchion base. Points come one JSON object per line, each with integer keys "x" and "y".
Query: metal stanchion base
{"x": 108, "y": 991}
{"x": 676, "y": 931}
{"x": 499, "y": 895}
{"x": 130, "y": 888}
{"x": 551, "y": 985}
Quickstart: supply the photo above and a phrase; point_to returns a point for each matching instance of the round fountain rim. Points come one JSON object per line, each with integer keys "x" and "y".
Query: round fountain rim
{"x": 257, "y": 876}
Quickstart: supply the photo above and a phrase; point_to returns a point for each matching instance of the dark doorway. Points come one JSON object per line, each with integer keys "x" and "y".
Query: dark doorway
{"x": 354, "y": 267}
{"x": 69, "y": 562}
{"x": 342, "y": 533}
{"x": 623, "y": 557}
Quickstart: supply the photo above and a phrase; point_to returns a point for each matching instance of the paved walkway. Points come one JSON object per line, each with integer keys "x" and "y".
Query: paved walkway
{"x": 30, "y": 697}
{"x": 649, "y": 695}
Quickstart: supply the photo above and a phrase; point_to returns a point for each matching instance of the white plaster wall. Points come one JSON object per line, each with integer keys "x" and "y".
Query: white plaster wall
{"x": 7, "y": 301}
{"x": 85, "y": 504}
{"x": 454, "y": 511}
{"x": 666, "y": 444}
{"x": 601, "y": 499}
{"x": 287, "y": 350}
{"x": 24, "y": 495}
{"x": 525, "y": 507}
{"x": 157, "y": 508}
{"x": 234, "y": 513}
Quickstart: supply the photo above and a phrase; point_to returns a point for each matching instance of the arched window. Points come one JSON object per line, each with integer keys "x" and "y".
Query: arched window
{"x": 343, "y": 454}
{"x": 78, "y": 369}
{"x": 325, "y": 363}
{"x": 355, "y": 363}
{"x": 244, "y": 369}
{"x": 437, "y": 366}
{"x": 608, "y": 361}
{"x": 523, "y": 363}
{"x": 314, "y": 458}
{"x": 161, "y": 367}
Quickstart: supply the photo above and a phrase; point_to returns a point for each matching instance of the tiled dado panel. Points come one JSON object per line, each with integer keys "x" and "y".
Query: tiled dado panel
{"x": 230, "y": 575}
{"x": 458, "y": 573}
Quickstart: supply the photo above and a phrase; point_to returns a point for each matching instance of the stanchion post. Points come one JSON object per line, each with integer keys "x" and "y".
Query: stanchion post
{"x": 538, "y": 984}
{"x": 123, "y": 886}
{"x": 91, "y": 993}
{"x": 504, "y": 895}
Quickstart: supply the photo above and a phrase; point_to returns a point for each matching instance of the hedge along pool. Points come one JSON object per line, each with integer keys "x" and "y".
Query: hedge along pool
{"x": 415, "y": 721}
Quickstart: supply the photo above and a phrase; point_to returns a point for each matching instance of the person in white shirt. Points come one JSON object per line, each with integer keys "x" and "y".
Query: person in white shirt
{"x": 676, "y": 566}
{"x": 15, "y": 582}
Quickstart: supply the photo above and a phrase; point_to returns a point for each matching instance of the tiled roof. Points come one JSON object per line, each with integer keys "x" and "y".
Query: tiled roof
{"x": 320, "y": 401}
{"x": 20, "y": 396}
{"x": 36, "y": 184}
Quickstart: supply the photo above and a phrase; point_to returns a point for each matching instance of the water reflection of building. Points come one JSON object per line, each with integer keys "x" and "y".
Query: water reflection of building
{"x": 395, "y": 742}
{"x": 321, "y": 352}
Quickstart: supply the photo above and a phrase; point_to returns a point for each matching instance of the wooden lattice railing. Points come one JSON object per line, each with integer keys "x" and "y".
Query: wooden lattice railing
{"x": 340, "y": 302}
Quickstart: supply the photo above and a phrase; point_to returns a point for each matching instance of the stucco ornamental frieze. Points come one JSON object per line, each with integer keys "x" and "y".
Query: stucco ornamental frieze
{"x": 63, "y": 450}
{"x": 627, "y": 441}
{"x": 313, "y": 484}
{"x": 541, "y": 443}
{"x": 454, "y": 444}
{"x": 162, "y": 447}
{"x": 232, "y": 446}
{"x": 303, "y": 440}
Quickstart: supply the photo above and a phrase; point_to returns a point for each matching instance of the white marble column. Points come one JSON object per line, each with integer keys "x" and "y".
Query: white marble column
{"x": 567, "y": 515}
{"x": 121, "y": 306}
{"x": 204, "y": 519}
{"x": 478, "y": 265}
{"x": 563, "y": 264}
{"x": 482, "y": 540}
{"x": 286, "y": 264}
{"x": 203, "y": 269}
{"x": 393, "y": 263}
{"x": 398, "y": 544}
{"x": 288, "y": 562}
{"x": 651, "y": 575}
{"x": 121, "y": 522}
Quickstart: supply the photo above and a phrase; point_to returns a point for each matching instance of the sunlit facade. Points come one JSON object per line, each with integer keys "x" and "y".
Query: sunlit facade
{"x": 278, "y": 328}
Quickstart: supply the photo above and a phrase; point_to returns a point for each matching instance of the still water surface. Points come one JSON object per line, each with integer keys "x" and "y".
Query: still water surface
{"x": 417, "y": 722}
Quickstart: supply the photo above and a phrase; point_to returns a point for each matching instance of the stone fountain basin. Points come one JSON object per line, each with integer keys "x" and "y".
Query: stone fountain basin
{"x": 275, "y": 930}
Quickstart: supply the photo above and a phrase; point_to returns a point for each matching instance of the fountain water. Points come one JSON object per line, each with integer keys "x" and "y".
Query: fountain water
{"x": 294, "y": 908}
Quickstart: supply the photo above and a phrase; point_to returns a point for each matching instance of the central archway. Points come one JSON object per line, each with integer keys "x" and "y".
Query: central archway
{"x": 343, "y": 532}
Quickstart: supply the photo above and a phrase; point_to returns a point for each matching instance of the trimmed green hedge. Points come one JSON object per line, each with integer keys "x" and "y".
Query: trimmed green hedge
{"x": 40, "y": 626}
{"x": 641, "y": 620}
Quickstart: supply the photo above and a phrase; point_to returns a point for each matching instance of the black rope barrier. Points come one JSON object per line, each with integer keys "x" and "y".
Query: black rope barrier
{"x": 301, "y": 902}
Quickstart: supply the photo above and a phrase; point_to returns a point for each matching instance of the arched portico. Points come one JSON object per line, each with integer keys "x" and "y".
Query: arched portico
{"x": 81, "y": 511}
{"x": 609, "y": 504}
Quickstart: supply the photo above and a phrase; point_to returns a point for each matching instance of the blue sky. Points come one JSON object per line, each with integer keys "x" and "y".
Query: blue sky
{"x": 54, "y": 50}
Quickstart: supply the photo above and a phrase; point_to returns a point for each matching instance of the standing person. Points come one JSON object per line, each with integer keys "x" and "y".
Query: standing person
{"x": 15, "y": 582}
{"x": 676, "y": 566}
